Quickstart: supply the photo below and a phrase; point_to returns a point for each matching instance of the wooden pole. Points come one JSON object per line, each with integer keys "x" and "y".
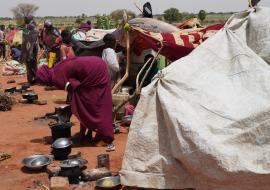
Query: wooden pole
{"x": 116, "y": 87}
{"x": 144, "y": 77}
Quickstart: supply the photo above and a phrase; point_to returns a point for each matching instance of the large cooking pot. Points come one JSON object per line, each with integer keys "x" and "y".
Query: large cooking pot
{"x": 71, "y": 170}
{"x": 63, "y": 112}
{"x": 61, "y": 148}
{"x": 61, "y": 130}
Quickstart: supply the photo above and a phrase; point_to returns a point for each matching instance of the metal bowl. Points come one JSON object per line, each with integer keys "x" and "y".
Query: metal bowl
{"x": 73, "y": 162}
{"x": 61, "y": 143}
{"x": 108, "y": 182}
{"x": 127, "y": 119}
{"x": 37, "y": 162}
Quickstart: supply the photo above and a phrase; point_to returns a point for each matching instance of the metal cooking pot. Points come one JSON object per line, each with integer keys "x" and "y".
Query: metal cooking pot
{"x": 71, "y": 170}
{"x": 31, "y": 97}
{"x": 61, "y": 130}
{"x": 74, "y": 162}
{"x": 63, "y": 112}
{"x": 61, "y": 148}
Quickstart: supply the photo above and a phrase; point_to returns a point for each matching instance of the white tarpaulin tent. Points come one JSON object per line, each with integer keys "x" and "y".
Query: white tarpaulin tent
{"x": 205, "y": 122}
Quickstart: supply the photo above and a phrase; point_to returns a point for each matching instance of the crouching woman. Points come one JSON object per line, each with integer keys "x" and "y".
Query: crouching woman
{"x": 88, "y": 82}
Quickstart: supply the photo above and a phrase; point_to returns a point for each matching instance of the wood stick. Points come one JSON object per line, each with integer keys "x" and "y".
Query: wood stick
{"x": 139, "y": 74}
{"x": 137, "y": 7}
{"x": 147, "y": 72}
{"x": 115, "y": 88}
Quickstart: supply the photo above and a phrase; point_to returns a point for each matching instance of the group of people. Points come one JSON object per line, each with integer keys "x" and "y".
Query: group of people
{"x": 88, "y": 80}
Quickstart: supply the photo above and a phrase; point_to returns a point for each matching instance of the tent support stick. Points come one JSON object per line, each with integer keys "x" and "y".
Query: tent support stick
{"x": 139, "y": 74}
{"x": 147, "y": 72}
{"x": 116, "y": 87}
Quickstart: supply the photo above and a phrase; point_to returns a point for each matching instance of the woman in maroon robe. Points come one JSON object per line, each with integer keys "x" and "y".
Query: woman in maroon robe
{"x": 88, "y": 80}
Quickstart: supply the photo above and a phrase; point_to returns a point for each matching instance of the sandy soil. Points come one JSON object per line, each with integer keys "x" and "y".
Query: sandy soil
{"x": 21, "y": 136}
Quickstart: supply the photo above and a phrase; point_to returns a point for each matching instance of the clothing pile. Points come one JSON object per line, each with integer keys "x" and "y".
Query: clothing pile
{"x": 13, "y": 68}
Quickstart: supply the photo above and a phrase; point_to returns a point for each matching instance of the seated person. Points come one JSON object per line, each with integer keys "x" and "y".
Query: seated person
{"x": 16, "y": 53}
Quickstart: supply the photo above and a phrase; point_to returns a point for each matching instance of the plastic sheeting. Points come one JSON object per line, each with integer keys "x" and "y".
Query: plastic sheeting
{"x": 204, "y": 122}
{"x": 253, "y": 26}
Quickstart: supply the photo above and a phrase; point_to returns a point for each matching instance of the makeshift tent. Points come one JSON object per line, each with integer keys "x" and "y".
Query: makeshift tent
{"x": 204, "y": 122}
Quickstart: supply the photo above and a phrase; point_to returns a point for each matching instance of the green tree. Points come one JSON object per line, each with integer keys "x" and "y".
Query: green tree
{"x": 186, "y": 15}
{"x": 172, "y": 15}
{"x": 98, "y": 21}
{"x": 202, "y": 15}
{"x": 80, "y": 19}
{"x": 22, "y": 10}
{"x": 105, "y": 22}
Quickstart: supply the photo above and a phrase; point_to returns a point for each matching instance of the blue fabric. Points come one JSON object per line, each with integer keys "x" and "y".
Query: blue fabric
{"x": 16, "y": 53}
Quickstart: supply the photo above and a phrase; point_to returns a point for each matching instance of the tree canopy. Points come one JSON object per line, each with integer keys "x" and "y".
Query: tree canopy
{"x": 172, "y": 15}
{"x": 202, "y": 15}
{"x": 22, "y": 10}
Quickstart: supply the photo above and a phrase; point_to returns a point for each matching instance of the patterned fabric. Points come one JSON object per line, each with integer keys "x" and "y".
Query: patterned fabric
{"x": 175, "y": 45}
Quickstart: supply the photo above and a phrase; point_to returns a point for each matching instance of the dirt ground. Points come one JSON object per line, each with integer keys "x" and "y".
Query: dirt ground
{"x": 21, "y": 136}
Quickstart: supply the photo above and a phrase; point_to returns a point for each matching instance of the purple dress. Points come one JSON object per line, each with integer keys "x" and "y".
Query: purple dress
{"x": 91, "y": 99}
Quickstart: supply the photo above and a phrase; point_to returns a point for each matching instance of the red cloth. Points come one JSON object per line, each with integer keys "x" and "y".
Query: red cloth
{"x": 175, "y": 45}
{"x": 10, "y": 35}
{"x": 91, "y": 100}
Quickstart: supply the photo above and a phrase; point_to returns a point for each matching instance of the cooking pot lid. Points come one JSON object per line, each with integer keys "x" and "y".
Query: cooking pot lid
{"x": 73, "y": 163}
{"x": 62, "y": 106}
{"x": 30, "y": 94}
{"x": 61, "y": 143}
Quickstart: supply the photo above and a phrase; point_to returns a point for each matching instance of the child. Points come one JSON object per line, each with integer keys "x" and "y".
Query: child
{"x": 111, "y": 57}
{"x": 66, "y": 49}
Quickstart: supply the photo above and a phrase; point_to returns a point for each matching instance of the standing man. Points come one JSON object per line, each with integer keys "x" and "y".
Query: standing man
{"x": 30, "y": 48}
{"x": 2, "y": 42}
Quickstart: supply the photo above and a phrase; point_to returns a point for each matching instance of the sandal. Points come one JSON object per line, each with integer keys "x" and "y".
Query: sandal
{"x": 110, "y": 147}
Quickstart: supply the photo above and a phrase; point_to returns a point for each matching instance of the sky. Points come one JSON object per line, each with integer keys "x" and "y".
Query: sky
{"x": 93, "y": 7}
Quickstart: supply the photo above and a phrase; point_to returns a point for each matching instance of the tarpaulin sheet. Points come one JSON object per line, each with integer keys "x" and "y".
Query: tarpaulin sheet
{"x": 204, "y": 123}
